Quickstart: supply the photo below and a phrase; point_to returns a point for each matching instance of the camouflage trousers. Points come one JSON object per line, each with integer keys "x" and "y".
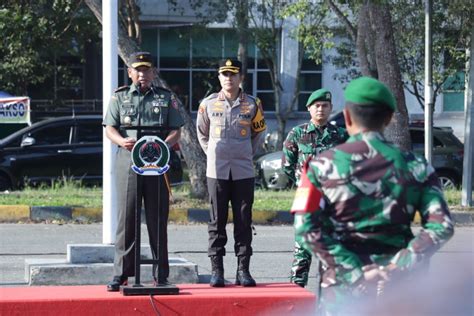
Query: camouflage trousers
{"x": 300, "y": 265}
{"x": 302, "y": 259}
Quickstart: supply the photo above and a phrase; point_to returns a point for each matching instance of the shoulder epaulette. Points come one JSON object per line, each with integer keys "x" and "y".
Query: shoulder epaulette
{"x": 162, "y": 88}
{"x": 121, "y": 88}
{"x": 211, "y": 96}
{"x": 251, "y": 97}
{"x": 303, "y": 125}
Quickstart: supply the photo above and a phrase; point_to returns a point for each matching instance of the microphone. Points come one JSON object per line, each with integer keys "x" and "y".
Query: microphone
{"x": 139, "y": 86}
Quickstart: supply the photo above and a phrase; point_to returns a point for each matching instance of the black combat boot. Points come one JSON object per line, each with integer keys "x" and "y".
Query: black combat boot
{"x": 118, "y": 280}
{"x": 243, "y": 276}
{"x": 217, "y": 276}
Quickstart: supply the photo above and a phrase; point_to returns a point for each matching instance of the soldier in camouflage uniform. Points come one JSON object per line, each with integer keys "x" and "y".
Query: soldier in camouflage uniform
{"x": 303, "y": 142}
{"x": 355, "y": 204}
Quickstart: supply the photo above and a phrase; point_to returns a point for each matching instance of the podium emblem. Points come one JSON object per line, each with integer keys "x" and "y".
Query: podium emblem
{"x": 150, "y": 156}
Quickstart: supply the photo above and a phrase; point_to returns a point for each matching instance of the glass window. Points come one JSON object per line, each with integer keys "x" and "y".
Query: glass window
{"x": 308, "y": 82}
{"x": 197, "y": 51}
{"x": 310, "y": 64}
{"x": 231, "y": 43}
{"x": 174, "y": 48}
{"x": 149, "y": 41}
{"x": 207, "y": 48}
{"x": 204, "y": 84}
{"x": 251, "y": 51}
{"x": 268, "y": 100}
{"x": 178, "y": 81}
{"x": 89, "y": 133}
{"x": 248, "y": 83}
{"x": 264, "y": 81}
{"x": 418, "y": 140}
{"x": 453, "y": 93}
{"x": 302, "y": 99}
{"x": 54, "y": 135}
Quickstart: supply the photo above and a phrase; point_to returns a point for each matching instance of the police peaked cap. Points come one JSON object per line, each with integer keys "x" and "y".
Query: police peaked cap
{"x": 319, "y": 95}
{"x": 141, "y": 59}
{"x": 231, "y": 65}
{"x": 369, "y": 91}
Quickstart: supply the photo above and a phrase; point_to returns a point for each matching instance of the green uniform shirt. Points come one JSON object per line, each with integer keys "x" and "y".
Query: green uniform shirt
{"x": 308, "y": 140}
{"x": 156, "y": 107}
{"x": 370, "y": 193}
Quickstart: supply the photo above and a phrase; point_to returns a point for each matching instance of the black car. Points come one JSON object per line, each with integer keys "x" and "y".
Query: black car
{"x": 69, "y": 147}
{"x": 447, "y": 157}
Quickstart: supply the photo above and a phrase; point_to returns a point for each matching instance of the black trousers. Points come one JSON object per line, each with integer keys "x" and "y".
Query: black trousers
{"x": 240, "y": 193}
{"x": 156, "y": 199}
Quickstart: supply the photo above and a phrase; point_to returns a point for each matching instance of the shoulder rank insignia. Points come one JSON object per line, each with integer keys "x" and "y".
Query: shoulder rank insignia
{"x": 174, "y": 102}
{"x": 211, "y": 96}
{"x": 121, "y": 88}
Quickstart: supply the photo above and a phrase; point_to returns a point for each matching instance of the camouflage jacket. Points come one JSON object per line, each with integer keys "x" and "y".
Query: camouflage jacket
{"x": 308, "y": 140}
{"x": 356, "y": 202}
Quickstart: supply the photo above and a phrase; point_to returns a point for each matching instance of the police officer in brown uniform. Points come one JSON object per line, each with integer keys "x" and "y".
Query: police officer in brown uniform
{"x": 142, "y": 104}
{"x": 230, "y": 127}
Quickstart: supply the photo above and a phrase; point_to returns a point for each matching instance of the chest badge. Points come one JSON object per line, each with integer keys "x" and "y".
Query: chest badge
{"x": 127, "y": 120}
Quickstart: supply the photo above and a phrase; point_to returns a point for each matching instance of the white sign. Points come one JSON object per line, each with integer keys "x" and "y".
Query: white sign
{"x": 15, "y": 110}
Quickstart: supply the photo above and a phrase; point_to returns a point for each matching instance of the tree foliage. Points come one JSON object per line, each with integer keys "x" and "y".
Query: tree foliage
{"x": 451, "y": 24}
{"x": 35, "y": 34}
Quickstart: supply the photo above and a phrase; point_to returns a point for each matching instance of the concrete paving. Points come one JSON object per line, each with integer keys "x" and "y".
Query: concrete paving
{"x": 270, "y": 263}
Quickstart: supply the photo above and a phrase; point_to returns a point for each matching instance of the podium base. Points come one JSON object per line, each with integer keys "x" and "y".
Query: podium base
{"x": 138, "y": 289}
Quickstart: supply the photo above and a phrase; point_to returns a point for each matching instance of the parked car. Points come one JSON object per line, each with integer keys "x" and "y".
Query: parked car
{"x": 68, "y": 147}
{"x": 447, "y": 157}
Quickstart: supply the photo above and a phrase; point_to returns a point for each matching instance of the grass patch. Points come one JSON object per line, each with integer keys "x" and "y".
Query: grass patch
{"x": 72, "y": 193}
{"x": 62, "y": 192}
{"x": 264, "y": 200}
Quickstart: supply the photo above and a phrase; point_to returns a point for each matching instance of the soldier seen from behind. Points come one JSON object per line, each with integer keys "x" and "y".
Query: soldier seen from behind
{"x": 355, "y": 204}
{"x": 302, "y": 143}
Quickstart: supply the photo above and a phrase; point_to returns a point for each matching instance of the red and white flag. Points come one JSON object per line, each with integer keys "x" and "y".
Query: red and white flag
{"x": 308, "y": 197}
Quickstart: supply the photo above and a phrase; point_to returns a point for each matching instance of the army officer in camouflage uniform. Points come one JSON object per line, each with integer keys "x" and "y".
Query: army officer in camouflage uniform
{"x": 303, "y": 142}
{"x": 230, "y": 127}
{"x": 356, "y": 201}
{"x": 143, "y": 104}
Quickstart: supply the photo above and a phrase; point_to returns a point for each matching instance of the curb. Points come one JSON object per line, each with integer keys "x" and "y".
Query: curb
{"x": 15, "y": 213}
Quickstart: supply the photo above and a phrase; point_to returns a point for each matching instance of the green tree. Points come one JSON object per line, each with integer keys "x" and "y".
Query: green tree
{"x": 35, "y": 34}
{"x": 369, "y": 26}
{"x": 451, "y": 24}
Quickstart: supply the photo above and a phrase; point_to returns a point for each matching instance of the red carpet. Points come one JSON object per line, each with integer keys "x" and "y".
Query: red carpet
{"x": 194, "y": 299}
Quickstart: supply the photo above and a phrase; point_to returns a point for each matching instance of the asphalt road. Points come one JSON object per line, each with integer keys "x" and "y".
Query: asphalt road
{"x": 271, "y": 262}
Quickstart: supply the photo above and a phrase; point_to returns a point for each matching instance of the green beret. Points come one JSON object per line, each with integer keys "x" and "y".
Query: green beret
{"x": 369, "y": 91}
{"x": 319, "y": 95}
